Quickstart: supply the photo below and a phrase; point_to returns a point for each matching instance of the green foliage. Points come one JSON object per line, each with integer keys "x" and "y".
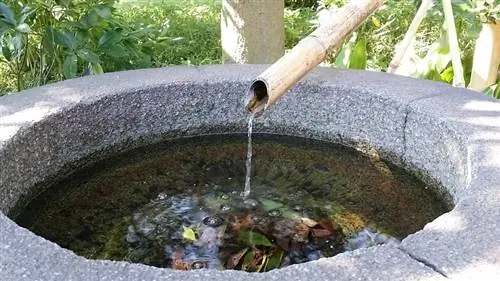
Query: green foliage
{"x": 357, "y": 59}
{"x": 297, "y": 25}
{"x": 45, "y": 41}
{"x": 252, "y": 238}
{"x": 189, "y": 30}
{"x": 300, "y": 3}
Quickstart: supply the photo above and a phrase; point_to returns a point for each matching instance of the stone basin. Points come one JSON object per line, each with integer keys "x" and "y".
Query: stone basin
{"x": 446, "y": 135}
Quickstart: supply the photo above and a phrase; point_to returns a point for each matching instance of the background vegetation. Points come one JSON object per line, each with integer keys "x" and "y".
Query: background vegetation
{"x": 43, "y": 41}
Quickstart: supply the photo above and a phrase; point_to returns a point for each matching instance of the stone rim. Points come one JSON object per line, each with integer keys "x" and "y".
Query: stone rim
{"x": 451, "y": 134}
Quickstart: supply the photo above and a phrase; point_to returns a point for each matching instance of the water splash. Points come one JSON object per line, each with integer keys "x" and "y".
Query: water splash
{"x": 248, "y": 164}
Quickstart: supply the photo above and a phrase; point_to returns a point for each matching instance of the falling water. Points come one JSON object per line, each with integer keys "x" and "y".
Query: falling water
{"x": 246, "y": 192}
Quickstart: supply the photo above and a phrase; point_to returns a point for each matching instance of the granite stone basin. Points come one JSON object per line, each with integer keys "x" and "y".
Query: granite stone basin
{"x": 448, "y": 136}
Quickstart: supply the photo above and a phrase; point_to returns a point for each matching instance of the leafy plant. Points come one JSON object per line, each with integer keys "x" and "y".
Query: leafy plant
{"x": 44, "y": 41}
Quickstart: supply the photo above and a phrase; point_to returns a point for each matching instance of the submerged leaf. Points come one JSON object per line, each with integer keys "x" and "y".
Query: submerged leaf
{"x": 330, "y": 225}
{"x": 254, "y": 261}
{"x": 247, "y": 262}
{"x": 188, "y": 234}
{"x": 269, "y": 205}
{"x": 301, "y": 231}
{"x": 235, "y": 259}
{"x": 309, "y": 222}
{"x": 274, "y": 260}
{"x": 320, "y": 233}
{"x": 253, "y": 238}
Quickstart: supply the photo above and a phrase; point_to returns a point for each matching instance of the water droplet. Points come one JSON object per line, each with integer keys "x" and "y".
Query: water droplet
{"x": 198, "y": 265}
{"x": 274, "y": 213}
{"x": 225, "y": 208}
{"x": 250, "y": 203}
{"x": 257, "y": 219}
{"x": 162, "y": 196}
{"x": 213, "y": 221}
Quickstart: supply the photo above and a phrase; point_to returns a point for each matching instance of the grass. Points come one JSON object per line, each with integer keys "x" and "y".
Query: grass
{"x": 192, "y": 28}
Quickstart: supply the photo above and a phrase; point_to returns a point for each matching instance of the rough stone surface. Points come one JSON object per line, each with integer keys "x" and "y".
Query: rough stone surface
{"x": 449, "y": 135}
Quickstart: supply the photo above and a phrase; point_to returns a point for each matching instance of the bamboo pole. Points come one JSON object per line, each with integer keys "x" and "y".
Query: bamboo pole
{"x": 456, "y": 62}
{"x": 403, "y": 46}
{"x": 307, "y": 54}
{"x": 486, "y": 57}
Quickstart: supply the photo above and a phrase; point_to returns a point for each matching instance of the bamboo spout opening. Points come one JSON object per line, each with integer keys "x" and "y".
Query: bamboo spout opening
{"x": 257, "y": 97}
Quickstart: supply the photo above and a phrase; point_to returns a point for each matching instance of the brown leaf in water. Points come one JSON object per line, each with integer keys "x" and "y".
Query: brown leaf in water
{"x": 242, "y": 223}
{"x": 329, "y": 225}
{"x": 254, "y": 261}
{"x": 177, "y": 262}
{"x": 284, "y": 243}
{"x": 180, "y": 265}
{"x": 235, "y": 259}
{"x": 320, "y": 233}
{"x": 301, "y": 231}
{"x": 309, "y": 222}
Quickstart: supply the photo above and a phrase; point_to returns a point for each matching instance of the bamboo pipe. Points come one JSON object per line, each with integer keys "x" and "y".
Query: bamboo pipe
{"x": 486, "y": 62}
{"x": 306, "y": 55}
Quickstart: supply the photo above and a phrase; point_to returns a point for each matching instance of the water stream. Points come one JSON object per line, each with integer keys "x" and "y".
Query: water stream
{"x": 248, "y": 163}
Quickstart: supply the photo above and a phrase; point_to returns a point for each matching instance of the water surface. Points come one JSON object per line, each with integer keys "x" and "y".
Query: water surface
{"x": 142, "y": 205}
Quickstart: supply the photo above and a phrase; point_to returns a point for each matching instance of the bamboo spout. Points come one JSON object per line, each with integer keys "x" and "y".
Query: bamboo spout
{"x": 269, "y": 86}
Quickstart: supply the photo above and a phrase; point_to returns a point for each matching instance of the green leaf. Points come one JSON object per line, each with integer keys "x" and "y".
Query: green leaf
{"x": 434, "y": 75}
{"x": 18, "y": 42}
{"x": 65, "y": 3}
{"x": 289, "y": 214}
{"x": 447, "y": 74}
{"x": 89, "y": 20}
{"x": 473, "y": 30}
{"x": 88, "y": 55}
{"x": 110, "y": 38}
{"x": 6, "y": 52}
{"x": 496, "y": 93}
{"x": 103, "y": 11}
{"x": 70, "y": 66}
{"x": 274, "y": 260}
{"x": 23, "y": 27}
{"x": 7, "y": 14}
{"x": 48, "y": 41}
{"x": 269, "y": 205}
{"x": 253, "y": 238}
{"x": 3, "y": 28}
{"x": 247, "y": 261}
{"x": 96, "y": 68}
{"x": 65, "y": 39}
{"x": 116, "y": 51}
{"x": 358, "y": 57}
{"x": 26, "y": 13}
{"x": 188, "y": 234}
